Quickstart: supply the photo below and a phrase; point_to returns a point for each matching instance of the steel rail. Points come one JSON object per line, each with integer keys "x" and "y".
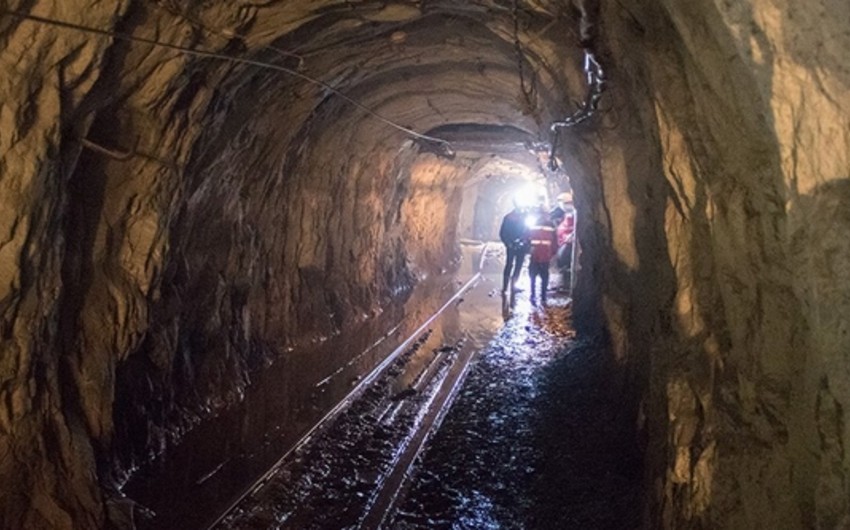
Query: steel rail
{"x": 386, "y": 498}
{"x": 344, "y": 403}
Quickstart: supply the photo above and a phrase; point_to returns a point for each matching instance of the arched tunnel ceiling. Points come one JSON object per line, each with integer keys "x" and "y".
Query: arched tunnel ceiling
{"x": 174, "y": 212}
{"x": 421, "y": 65}
{"x": 247, "y": 185}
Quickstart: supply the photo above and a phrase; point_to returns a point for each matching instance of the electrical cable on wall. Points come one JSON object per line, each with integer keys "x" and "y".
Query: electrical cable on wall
{"x": 596, "y": 84}
{"x": 595, "y": 87}
{"x": 438, "y": 145}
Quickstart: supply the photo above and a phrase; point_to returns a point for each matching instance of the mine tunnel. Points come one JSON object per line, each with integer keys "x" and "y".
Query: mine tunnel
{"x": 223, "y": 222}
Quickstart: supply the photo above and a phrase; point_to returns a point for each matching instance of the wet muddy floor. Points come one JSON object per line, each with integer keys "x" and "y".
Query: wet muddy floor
{"x": 194, "y": 480}
{"x": 535, "y": 436}
{"x": 537, "y": 439}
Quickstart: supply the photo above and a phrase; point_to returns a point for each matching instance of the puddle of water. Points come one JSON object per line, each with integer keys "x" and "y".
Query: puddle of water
{"x": 478, "y": 469}
{"x": 333, "y": 481}
{"x": 192, "y": 482}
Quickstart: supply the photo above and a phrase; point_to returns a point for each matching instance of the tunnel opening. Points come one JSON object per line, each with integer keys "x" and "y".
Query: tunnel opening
{"x": 489, "y": 166}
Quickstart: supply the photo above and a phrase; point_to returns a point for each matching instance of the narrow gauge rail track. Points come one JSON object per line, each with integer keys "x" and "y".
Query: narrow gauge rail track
{"x": 349, "y": 469}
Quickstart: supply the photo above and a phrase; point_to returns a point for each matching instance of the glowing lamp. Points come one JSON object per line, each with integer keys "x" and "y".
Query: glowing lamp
{"x": 528, "y": 196}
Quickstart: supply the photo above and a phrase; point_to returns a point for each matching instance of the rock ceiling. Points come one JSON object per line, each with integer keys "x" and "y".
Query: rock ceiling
{"x": 189, "y": 186}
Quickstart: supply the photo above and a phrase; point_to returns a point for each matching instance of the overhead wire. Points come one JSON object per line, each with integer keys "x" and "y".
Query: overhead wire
{"x": 595, "y": 78}
{"x": 586, "y": 109}
{"x": 226, "y": 33}
{"x": 528, "y": 92}
{"x": 445, "y": 146}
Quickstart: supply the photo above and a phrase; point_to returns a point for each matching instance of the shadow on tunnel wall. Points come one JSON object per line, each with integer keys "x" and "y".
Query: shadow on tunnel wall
{"x": 746, "y": 385}
{"x": 664, "y": 192}
{"x": 820, "y": 256}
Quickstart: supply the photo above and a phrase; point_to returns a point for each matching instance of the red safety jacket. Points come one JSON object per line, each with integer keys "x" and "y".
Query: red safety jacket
{"x": 544, "y": 242}
{"x": 567, "y": 228}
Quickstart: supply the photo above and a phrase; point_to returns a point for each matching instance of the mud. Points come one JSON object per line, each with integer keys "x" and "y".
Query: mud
{"x": 537, "y": 438}
{"x": 190, "y": 482}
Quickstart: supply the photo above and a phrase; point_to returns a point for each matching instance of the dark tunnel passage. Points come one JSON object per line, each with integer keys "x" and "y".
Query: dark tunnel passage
{"x": 216, "y": 217}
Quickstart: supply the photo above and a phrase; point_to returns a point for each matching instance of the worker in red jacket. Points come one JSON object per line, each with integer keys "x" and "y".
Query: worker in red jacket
{"x": 544, "y": 245}
{"x": 566, "y": 231}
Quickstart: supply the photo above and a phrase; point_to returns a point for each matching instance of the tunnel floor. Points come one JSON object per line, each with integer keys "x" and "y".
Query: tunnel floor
{"x": 535, "y": 436}
{"x": 536, "y": 439}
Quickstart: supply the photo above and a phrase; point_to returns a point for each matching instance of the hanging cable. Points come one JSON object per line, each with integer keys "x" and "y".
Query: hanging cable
{"x": 444, "y": 148}
{"x": 595, "y": 87}
{"x": 528, "y": 92}
{"x": 587, "y": 108}
{"x": 595, "y": 79}
{"x": 226, "y": 33}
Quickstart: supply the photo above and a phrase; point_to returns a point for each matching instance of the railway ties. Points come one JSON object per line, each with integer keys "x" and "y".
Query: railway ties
{"x": 351, "y": 470}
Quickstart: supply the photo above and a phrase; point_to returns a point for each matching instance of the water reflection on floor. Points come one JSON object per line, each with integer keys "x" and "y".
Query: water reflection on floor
{"x": 539, "y": 437}
{"x": 215, "y": 462}
{"x": 337, "y": 479}
{"x": 479, "y": 472}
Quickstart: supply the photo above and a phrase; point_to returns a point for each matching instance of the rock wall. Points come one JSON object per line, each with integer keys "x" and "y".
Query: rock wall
{"x": 171, "y": 221}
{"x": 728, "y": 129}
{"x": 40, "y": 415}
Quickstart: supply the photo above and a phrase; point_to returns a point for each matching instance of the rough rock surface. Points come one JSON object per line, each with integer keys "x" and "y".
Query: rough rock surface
{"x": 244, "y": 210}
{"x": 170, "y": 221}
{"x": 728, "y": 130}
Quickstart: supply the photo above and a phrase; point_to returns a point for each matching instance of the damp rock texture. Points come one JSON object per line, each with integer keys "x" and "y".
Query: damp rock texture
{"x": 715, "y": 190}
{"x": 170, "y": 222}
